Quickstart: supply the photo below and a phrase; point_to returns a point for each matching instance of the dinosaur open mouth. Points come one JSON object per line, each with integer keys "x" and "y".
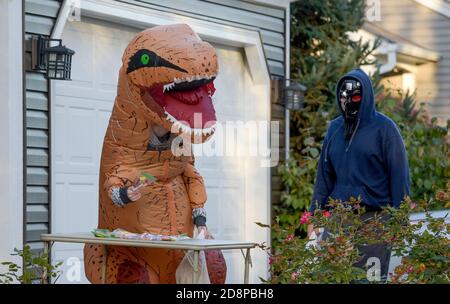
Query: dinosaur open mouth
{"x": 187, "y": 103}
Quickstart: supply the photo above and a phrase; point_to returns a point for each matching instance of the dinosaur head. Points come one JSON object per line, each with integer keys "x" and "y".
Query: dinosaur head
{"x": 174, "y": 71}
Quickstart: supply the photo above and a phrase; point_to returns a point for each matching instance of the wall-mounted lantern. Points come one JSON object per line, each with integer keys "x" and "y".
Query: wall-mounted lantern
{"x": 55, "y": 60}
{"x": 292, "y": 95}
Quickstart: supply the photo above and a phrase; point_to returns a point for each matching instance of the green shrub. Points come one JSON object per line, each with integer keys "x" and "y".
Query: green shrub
{"x": 35, "y": 265}
{"x": 425, "y": 255}
{"x": 426, "y": 145}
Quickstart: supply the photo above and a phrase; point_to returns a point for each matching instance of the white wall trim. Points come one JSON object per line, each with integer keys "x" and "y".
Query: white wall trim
{"x": 287, "y": 60}
{"x": 63, "y": 15}
{"x": 11, "y": 129}
{"x": 438, "y": 6}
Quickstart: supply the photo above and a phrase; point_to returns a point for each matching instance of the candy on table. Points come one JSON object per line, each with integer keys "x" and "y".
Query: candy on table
{"x": 124, "y": 234}
{"x": 103, "y": 233}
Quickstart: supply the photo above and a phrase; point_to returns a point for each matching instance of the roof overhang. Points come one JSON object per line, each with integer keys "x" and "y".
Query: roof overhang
{"x": 439, "y": 6}
{"x": 277, "y": 3}
{"x": 410, "y": 51}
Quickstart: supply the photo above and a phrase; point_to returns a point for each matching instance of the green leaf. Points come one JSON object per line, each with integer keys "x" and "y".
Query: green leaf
{"x": 314, "y": 152}
{"x": 148, "y": 175}
{"x": 262, "y": 225}
{"x": 391, "y": 103}
{"x": 308, "y": 141}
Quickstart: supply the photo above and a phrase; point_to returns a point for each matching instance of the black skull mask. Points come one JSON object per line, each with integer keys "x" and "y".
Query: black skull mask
{"x": 350, "y": 97}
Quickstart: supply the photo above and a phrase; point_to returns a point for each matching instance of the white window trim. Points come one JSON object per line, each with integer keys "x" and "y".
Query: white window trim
{"x": 248, "y": 40}
{"x": 11, "y": 129}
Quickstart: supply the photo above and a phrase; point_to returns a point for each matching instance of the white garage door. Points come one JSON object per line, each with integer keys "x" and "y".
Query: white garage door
{"x": 80, "y": 113}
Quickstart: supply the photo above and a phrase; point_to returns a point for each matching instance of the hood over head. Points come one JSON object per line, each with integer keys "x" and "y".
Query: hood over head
{"x": 367, "y": 107}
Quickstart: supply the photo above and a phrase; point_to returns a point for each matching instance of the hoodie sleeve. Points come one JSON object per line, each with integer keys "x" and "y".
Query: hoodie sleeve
{"x": 325, "y": 178}
{"x": 397, "y": 168}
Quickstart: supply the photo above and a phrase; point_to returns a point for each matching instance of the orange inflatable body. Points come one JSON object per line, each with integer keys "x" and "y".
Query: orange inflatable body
{"x": 166, "y": 77}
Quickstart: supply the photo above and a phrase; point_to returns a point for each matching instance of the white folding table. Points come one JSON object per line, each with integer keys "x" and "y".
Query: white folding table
{"x": 187, "y": 244}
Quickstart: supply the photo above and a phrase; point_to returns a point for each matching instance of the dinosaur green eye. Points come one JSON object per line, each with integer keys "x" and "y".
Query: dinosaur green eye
{"x": 145, "y": 59}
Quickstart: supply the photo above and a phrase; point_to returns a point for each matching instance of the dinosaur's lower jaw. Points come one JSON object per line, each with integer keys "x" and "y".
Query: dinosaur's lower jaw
{"x": 190, "y": 110}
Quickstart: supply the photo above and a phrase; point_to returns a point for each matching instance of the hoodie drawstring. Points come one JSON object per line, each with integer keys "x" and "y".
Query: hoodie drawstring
{"x": 353, "y": 135}
{"x": 329, "y": 143}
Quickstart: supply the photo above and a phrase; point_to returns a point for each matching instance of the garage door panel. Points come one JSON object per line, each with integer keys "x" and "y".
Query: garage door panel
{"x": 233, "y": 210}
{"x": 235, "y": 270}
{"x": 58, "y": 129}
{"x": 81, "y": 122}
{"x": 76, "y": 120}
{"x": 72, "y": 263}
{"x": 213, "y": 212}
{"x": 74, "y": 195}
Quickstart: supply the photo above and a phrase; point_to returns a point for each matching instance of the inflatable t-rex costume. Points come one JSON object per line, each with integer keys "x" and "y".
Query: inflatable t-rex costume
{"x": 166, "y": 77}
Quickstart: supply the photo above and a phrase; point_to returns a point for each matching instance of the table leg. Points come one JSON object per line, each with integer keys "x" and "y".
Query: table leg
{"x": 104, "y": 263}
{"x": 196, "y": 270}
{"x": 247, "y": 266}
{"x": 45, "y": 278}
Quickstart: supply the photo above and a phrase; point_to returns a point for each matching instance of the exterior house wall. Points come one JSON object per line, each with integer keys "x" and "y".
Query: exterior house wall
{"x": 430, "y": 30}
{"x": 40, "y": 17}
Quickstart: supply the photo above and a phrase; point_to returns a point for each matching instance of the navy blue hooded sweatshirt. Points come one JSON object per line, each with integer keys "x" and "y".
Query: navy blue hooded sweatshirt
{"x": 372, "y": 164}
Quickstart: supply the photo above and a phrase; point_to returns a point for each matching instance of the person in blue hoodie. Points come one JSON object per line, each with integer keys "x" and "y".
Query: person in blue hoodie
{"x": 363, "y": 155}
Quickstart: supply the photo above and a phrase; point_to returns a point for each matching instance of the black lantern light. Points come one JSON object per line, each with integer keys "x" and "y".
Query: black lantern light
{"x": 56, "y": 60}
{"x": 293, "y": 95}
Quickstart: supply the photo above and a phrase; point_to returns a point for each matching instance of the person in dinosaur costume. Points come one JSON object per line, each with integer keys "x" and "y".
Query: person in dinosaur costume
{"x": 166, "y": 80}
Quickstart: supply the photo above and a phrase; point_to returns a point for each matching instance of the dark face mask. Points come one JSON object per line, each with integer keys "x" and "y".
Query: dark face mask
{"x": 350, "y": 97}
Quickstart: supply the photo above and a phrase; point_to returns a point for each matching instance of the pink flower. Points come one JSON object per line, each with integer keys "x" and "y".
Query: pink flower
{"x": 289, "y": 237}
{"x": 305, "y": 218}
{"x": 326, "y": 214}
{"x": 294, "y": 276}
{"x": 272, "y": 259}
{"x": 413, "y": 205}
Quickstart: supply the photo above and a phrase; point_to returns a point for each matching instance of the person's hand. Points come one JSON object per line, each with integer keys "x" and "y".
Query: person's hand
{"x": 311, "y": 229}
{"x": 203, "y": 229}
{"x": 133, "y": 193}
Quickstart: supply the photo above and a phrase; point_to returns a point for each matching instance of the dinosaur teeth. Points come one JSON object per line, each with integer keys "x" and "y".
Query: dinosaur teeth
{"x": 190, "y": 78}
{"x": 168, "y": 87}
{"x": 186, "y": 129}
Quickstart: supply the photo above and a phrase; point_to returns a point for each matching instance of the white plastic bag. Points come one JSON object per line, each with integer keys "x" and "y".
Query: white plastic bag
{"x": 314, "y": 239}
{"x": 185, "y": 271}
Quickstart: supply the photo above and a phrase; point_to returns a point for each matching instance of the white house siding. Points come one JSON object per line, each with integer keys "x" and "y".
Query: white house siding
{"x": 430, "y": 30}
